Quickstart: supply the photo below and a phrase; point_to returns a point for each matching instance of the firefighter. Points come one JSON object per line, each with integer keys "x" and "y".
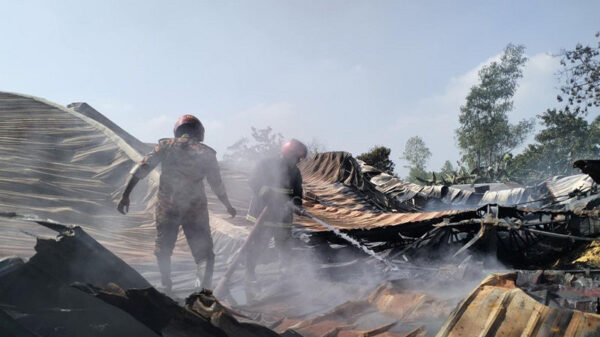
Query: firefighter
{"x": 275, "y": 183}
{"x": 186, "y": 161}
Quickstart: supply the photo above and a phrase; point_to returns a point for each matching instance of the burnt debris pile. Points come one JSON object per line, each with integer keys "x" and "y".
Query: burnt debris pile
{"x": 523, "y": 227}
{"x": 499, "y": 306}
{"x": 73, "y": 286}
{"x": 373, "y": 255}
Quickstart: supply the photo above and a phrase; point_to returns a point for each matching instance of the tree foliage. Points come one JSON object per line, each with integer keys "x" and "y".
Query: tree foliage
{"x": 379, "y": 157}
{"x": 447, "y": 168}
{"x": 417, "y": 154}
{"x": 419, "y": 176}
{"x": 485, "y": 134}
{"x": 315, "y": 146}
{"x": 567, "y": 137}
{"x": 263, "y": 142}
{"x": 581, "y": 78}
{"x": 451, "y": 175}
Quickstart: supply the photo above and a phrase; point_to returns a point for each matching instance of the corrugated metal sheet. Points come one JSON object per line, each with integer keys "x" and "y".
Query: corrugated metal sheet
{"x": 552, "y": 193}
{"x": 413, "y": 197}
{"x": 352, "y": 199}
{"x": 456, "y": 196}
{"x": 86, "y": 110}
{"x": 509, "y": 197}
{"x": 346, "y": 219}
{"x": 562, "y": 186}
{"x": 59, "y": 164}
{"x": 499, "y": 308}
{"x": 336, "y": 178}
{"x": 389, "y": 310}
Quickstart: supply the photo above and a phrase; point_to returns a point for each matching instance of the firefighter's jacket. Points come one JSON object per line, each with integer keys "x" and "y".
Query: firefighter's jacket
{"x": 274, "y": 182}
{"x": 185, "y": 163}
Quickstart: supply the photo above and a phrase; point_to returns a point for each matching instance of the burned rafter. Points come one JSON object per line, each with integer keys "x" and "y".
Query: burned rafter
{"x": 515, "y": 235}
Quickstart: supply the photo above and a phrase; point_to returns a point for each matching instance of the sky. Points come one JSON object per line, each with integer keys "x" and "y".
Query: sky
{"x": 348, "y": 74}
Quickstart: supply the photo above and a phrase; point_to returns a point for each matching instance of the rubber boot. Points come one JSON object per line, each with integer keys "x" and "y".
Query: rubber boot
{"x": 164, "y": 266}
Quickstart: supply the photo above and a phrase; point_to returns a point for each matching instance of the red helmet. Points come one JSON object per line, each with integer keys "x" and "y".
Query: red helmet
{"x": 189, "y": 124}
{"x": 293, "y": 148}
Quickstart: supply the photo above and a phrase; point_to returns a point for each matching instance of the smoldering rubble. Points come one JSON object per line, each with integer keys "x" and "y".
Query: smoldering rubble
{"x": 489, "y": 260}
{"x": 73, "y": 286}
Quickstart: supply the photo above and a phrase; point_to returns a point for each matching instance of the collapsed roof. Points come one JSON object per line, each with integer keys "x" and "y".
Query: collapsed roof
{"x": 69, "y": 164}
{"x": 72, "y": 287}
{"x": 61, "y": 164}
{"x": 502, "y": 306}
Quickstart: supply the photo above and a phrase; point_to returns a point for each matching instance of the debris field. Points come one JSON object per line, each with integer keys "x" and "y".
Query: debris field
{"x": 467, "y": 260}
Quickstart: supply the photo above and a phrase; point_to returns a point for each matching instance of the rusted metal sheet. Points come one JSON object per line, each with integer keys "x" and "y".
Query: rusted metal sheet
{"x": 346, "y": 219}
{"x": 329, "y": 173}
{"x": 352, "y": 196}
{"x": 84, "y": 163}
{"x": 497, "y": 307}
{"x": 389, "y": 311}
{"x": 408, "y": 306}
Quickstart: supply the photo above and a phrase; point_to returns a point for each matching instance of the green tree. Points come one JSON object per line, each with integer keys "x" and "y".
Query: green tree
{"x": 417, "y": 154}
{"x": 459, "y": 175}
{"x": 379, "y": 157}
{"x": 447, "y": 168}
{"x": 581, "y": 78}
{"x": 263, "y": 142}
{"x": 420, "y": 176}
{"x": 567, "y": 137}
{"x": 315, "y": 146}
{"x": 485, "y": 134}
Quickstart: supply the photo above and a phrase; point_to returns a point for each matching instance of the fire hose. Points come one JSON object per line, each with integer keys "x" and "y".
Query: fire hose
{"x": 221, "y": 289}
{"x": 389, "y": 265}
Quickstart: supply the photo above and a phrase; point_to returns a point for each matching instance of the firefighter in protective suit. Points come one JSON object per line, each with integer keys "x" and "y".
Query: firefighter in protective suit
{"x": 186, "y": 161}
{"x": 275, "y": 183}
